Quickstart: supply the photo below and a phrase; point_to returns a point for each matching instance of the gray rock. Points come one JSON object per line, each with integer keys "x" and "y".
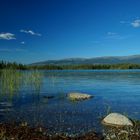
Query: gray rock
{"x": 78, "y": 96}
{"x": 116, "y": 119}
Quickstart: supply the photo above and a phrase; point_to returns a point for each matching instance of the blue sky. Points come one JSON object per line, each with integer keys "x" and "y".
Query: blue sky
{"x": 38, "y": 30}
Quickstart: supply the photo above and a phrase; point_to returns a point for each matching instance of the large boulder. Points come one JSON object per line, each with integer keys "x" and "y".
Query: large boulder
{"x": 117, "y": 120}
{"x": 78, "y": 96}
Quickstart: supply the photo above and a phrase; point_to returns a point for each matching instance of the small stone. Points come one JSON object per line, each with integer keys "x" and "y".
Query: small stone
{"x": 116, "y": 119}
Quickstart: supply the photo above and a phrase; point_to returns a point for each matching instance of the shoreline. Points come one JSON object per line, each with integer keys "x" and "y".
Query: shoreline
{"x": 23, "y": 131}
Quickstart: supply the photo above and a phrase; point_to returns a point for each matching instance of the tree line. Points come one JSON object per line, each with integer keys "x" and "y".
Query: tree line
{"x": 14, "y": 65}
{"x": 87, "y": 67}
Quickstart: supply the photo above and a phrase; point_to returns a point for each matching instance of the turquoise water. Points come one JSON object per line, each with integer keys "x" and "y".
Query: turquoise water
{"x": 113, "y": 91}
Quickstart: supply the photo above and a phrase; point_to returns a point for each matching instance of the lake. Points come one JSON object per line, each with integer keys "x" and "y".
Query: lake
{"x": 43, "y": 101}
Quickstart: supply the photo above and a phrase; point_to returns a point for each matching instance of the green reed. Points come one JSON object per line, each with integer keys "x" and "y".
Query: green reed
{"x": 12, "y": 81}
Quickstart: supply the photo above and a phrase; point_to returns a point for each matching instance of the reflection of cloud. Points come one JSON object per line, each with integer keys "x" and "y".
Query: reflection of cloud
{"x": 30, "y": 32}
{"x": 136, "y": 23}
{"x": 7, "y": 36}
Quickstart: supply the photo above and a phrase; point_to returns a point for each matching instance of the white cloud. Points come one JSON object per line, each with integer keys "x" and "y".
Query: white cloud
{"x": 111, "y": 33}
{"x": 7, "y": 36}
{"x": 122, "y": 22}
{"x": 22, "y": 42}
{"x": 30, "y": 32}
{"x": 95, "y": 42}
{"x": 20, "y": 50}
{"x": 3, "y": 50}
{"x": 115, "y": 36}
{"x": 136, "y": 23}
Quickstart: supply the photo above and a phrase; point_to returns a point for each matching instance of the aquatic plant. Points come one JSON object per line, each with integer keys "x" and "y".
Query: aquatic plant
{"x": 12, "y": 81}
{"x": 34, "y": 79}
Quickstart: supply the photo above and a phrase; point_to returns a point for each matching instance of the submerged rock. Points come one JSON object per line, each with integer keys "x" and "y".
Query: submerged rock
{"x": 78, "y": 96}
{"x": 48, "y": 97}
{"x": 117, "y": 120}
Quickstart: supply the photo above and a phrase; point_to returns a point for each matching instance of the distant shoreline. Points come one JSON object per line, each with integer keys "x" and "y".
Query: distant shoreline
{"x": 123, "y": 66}
{"x": 87, "y": 67}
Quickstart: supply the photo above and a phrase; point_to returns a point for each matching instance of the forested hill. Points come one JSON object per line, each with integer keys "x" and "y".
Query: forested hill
{"x": 116, "y": 62}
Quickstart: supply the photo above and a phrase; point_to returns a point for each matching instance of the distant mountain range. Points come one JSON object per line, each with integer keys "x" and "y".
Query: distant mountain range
{"x": 135, "y": 59}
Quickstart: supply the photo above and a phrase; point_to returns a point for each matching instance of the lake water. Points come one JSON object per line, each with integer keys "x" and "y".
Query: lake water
{"x": 113, "y": 91}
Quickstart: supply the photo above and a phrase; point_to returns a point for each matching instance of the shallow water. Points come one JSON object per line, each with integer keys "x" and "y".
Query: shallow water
{"x": 113, "y": 90}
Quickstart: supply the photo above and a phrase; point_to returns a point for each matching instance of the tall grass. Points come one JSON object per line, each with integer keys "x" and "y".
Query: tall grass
{"x": 12, "y": 81}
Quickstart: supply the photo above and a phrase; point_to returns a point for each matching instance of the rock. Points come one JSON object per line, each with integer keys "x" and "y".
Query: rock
{"x": 117, "y": 120}
{"x": 78, "y": 96}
